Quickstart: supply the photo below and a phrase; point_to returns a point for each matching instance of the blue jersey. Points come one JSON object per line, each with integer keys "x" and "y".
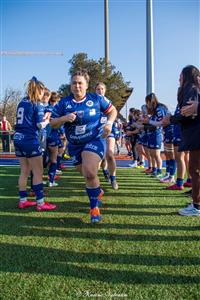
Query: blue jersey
{"x": 115, "y": 129}
{"x": 160, "y": 112}
{"x": 177, "y": 128}
{"x": 87, "y": 125}
{"x": 28, "y": 116}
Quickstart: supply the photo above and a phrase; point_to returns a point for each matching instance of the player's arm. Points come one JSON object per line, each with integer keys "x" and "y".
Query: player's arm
{"x": 111, "y": 116}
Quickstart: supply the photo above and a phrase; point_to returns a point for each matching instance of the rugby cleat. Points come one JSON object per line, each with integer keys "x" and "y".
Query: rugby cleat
{"x": 53, "y": 184}
{"x": 187, "y": 184}
{"x": 175, "y": 187}
{"x": 25, "y": 204}
{"x": 95, "y": 216}
{"x": 114, "y": 185}
{"x": 46, "y": 206}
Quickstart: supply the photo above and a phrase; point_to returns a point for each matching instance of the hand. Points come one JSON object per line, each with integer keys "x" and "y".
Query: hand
{"x": 70, "y": 117}
{"x": 106, "y": 130}
{"x": 191, "y": 109}
{"x": 145, "y": 120}
{"x": 166, "y": 121}
{"x": 129, "y": 133}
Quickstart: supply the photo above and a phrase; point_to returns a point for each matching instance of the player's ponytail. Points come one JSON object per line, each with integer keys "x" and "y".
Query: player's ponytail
{"x": 35, "y": 90}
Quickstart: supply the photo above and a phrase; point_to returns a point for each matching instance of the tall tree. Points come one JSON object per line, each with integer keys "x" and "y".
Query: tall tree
{"x": 8, "y": 104}
{"x": 97, "y": 70}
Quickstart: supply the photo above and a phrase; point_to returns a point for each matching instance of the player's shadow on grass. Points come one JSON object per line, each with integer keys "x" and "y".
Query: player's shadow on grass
{"x": 96, "y": 266}
{"x": 63, "y": 228}
{"x": 24, "y": 223}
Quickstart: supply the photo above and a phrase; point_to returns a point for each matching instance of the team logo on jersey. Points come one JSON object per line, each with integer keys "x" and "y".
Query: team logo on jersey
{"x": 89, "y": 103}
{"x": 92, "y": 112}
{"x": 68, "y": 106}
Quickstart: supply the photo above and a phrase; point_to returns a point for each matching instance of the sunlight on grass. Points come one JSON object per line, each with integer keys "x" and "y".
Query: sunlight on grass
{"x": 141, "y": 250}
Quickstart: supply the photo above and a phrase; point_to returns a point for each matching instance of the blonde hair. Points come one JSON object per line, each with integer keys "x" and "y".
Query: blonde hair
{"x": 34, "y": 89}
{"x": 100, "y": 83}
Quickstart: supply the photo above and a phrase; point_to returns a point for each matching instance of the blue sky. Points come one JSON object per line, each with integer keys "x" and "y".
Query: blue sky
{"x": 78, "y": 26}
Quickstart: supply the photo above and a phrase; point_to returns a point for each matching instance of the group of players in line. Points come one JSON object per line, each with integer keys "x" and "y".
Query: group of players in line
{"x": 86, "y": 122}
{"x": 146, "y": 132}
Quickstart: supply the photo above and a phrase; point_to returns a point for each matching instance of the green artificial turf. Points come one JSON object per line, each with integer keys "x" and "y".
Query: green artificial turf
{"x": 142, "y": 249}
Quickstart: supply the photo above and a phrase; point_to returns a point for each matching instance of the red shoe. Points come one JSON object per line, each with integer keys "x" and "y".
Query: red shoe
{"x": 148, "y": 171}
{"x": 56, "y": 177}
{"x": 46, "y": 206}
{"x": 187, "y": 184}
{"x": 175, "y": 187}
{"x": 25, "y": 204}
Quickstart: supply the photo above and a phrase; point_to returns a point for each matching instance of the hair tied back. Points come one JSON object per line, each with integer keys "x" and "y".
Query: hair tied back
{"x": 34, "y": 79}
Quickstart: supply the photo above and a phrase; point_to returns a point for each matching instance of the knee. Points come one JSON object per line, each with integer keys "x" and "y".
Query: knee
{"x": 89, "y": 174}
{"x": 109, "y": 157}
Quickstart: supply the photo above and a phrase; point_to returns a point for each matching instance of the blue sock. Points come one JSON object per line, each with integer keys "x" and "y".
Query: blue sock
{"x": 105, "y": 172}
{"x": 22, "y": 196}
{"x": 154, "y": 170}
{"x": 58, "y": 161}
{"x": 179, "y": 181}
{"x": 52, "y": 172}
{"x": 172, "y": 169}
{"x": 38, "y": 189}
{"x": 189, "y": 180}
{"x": 112, "y": 178}
{"x": 167, "y": 166}
{"x": 159, "y": 171}
{"x": 93, "y": 194}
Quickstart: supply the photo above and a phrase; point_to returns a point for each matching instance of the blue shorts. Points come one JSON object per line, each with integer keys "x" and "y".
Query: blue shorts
{"x": 97, "y": 146}
{"x": 177, "y": 135}
{"x": 53, "y": 142}
{"x": 168, "y": 135}
{"x": 143, "y": 139}
{"x": 154, "y": 140}
{"x": 27, "y": 148}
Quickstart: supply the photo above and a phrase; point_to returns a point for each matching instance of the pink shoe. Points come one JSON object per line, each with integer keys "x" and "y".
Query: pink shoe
{"x": 175, "y": 187}
{"x": 46, "y": 206}
{"x": 187, "y": 184}
{"x": 25, "y": 204}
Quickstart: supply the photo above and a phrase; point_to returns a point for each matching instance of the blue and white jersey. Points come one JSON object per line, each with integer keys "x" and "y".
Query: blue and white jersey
{"x": 27, "y": 117}
{"x": 160, "y": 112}
{"x": 115, "y": 132}
{"x": 87, "y": 125}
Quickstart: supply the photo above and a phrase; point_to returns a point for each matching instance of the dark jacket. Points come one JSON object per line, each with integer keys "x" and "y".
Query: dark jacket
{"x": 190, "y": 126}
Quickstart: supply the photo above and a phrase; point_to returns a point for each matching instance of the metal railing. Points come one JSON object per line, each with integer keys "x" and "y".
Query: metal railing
{"x": 6, "y": 145}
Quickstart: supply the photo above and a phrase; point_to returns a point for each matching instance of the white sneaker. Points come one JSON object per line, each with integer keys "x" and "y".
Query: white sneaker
{"x": 58, "y": 172}
{"x": 168, "y": 180}
{"x": 51, "y": 184}
{"x": 134, "y": 165}
{"x": 190, "y": 210}
{"x": 114, "y": 185}
{"x": 164, "y": 177}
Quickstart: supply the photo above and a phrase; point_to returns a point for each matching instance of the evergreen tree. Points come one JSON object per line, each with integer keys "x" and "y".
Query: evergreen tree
{"x": 117, "y": 88}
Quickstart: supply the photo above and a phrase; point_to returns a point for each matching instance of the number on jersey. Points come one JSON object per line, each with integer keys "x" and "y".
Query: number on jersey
{"x": 20, "y": 115}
